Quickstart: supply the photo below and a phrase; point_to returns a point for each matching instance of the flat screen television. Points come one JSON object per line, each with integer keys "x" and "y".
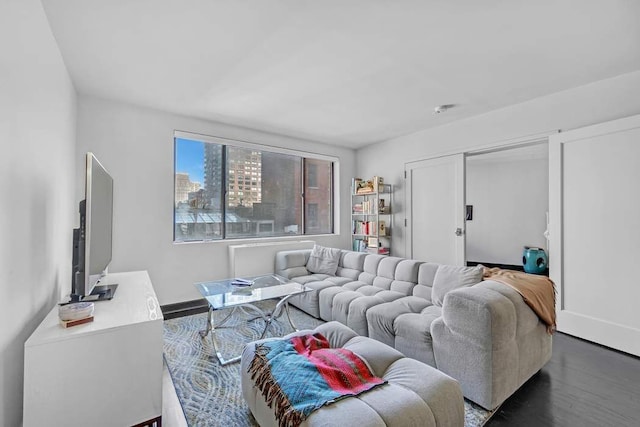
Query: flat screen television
{"x": 92, "y": 241}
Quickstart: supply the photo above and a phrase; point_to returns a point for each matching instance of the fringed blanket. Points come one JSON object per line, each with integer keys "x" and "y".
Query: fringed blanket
{"x": 539, "y": 292}
{"x": 301, "y": 374}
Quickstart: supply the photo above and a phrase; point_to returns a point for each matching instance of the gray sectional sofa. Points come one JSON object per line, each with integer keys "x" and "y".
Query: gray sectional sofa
{"x": 481, "y": 333}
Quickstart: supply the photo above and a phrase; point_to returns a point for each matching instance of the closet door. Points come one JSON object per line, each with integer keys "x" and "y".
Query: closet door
{"x": 435, "y": 220}
{"x": 594, "y": 208}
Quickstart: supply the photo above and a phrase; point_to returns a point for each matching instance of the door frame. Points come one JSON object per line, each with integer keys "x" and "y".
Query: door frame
{"x": 459, "y": 159}
{"x": 488, "y": 148}
{"x": 573, "y": 323}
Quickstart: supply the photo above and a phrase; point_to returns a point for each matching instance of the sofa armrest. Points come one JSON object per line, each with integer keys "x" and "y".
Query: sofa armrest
{"x": 489, "y": 340}
{"x": 292, "y": 264}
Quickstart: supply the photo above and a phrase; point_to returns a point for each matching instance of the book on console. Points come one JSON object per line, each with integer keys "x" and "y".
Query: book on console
{"x": 76, "y": 322}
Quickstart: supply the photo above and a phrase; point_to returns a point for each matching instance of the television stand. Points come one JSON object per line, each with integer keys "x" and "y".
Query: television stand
{"x": 62, "y": 386}
{"x": 101, "y": 293}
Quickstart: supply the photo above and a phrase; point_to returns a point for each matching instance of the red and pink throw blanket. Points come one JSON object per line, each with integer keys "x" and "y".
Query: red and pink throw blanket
{"x": 301, "y": 374}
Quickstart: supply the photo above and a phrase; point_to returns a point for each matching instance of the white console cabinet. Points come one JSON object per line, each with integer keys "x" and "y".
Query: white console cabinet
{"x": 104, "y": 373}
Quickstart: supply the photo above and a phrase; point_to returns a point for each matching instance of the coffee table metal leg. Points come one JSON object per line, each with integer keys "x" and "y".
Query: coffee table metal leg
{"x": 204, "y": 332}
{"x": 277, "y": 312}
{"x": 211, "y": 328}
{"x": 218, "y": 352}
{"x": 267, "y": 317}
{"x": 286, "y": 307}
{"x": 261, "y": 314}
{"x": 210, "y": 321}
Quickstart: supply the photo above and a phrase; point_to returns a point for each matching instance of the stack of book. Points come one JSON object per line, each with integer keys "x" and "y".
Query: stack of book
{"x": 364, "y": 228}
{"x": 75, "y": 314}
{"x": 359, "y": 245}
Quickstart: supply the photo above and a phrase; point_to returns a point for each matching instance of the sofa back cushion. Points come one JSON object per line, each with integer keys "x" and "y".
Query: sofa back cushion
{"x": 426, "y": 274}
{"x": 449, "y": 277}
{"x": 406, "y": 276}
{"x": 323, "y": 260}
{"x": 293, "y": 263}
{"x": 351, "y": 264}
{"x": 386, "y": 272}
{"x": 370, "y": 268}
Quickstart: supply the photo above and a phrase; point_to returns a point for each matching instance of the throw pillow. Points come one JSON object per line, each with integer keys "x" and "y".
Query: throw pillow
{"x": 323, "y": 260}
{"x": 449, "y": 277}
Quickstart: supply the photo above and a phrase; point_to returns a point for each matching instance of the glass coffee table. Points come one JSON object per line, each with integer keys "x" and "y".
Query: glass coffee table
{"x": 225, "y": 294}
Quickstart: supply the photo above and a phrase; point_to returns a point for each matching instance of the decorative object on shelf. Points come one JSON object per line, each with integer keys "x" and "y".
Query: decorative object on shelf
{"x": 75, "y": 311}
{"x": 382, "y": 207}
{"x": 378, "y": 183}
{"x": 534, "y": 260}
{"x": 75, "y": 314}
{"x": 365, "y": 187}
{"x": 355, "y": 185}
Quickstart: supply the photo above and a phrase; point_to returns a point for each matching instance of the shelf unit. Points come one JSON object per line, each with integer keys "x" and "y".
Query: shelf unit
{"x": 371, "y": 220}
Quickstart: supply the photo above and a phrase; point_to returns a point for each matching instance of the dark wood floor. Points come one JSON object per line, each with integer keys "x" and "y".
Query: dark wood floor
{"x": 583, "y": 385}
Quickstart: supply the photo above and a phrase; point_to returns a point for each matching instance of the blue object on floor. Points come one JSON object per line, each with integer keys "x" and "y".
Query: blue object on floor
{"x": 534, "y": 260}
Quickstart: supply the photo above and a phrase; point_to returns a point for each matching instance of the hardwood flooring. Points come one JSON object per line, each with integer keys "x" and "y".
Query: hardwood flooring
{"x": 583, "y": 384}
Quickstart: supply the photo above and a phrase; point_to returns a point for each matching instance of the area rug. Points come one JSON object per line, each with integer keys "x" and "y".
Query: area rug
{"x": 210, "y": 394}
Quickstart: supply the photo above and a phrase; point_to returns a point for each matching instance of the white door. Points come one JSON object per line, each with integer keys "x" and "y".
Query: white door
{"x": 435, "y": 213}
{"x": 595, "y": 232}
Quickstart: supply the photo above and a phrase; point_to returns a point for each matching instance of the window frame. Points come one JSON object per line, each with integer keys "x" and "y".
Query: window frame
{"x": 333, "y": 180}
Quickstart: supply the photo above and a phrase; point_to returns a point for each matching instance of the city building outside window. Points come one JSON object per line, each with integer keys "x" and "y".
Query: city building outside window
{"x": 227, "y": 191}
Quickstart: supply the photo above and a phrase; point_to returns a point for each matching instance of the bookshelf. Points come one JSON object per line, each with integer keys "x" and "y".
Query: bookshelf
{"x": 371, "y": 216}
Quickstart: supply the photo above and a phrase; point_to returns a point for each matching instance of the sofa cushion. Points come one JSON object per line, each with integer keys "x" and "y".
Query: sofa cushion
{"x": 310, "y": 278}
{"x": 413, "y": 334}
{"x": 426, "y": 274}
{"x": 291, "y": 264}
{"x": 351, "y": 264}
{"x": 449, "y": 277}
{"x": 370, "y": 268}
{"x": 381, "y": 318}
{"x": 406, "y": 276}
{"x": 309, "y": 301}
{"x": 323, "y": 260}
{"x": 386, "y": 272}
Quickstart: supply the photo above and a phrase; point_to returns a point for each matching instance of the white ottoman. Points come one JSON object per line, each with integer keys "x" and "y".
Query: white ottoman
{"x": 416, "y": 394}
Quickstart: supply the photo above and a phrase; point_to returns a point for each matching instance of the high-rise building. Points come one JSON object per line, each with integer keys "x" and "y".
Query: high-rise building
{"x": 318, "y": 200}
{"x": 213, "y": 168}
{"x": 184, "y": 186}
{"x": 282, "y": 191}
{"x": 244, "y": 176}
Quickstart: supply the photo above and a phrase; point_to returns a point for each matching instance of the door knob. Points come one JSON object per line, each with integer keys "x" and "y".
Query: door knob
{"x": 459, "y": 231}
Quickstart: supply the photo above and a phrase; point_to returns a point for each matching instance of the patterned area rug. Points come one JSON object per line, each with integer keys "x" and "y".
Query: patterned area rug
{"x": 210, "y": 394}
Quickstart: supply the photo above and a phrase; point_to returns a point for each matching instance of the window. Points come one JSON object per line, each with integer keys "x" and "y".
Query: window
{"x": 312, "y": 215}
{"x": 226, "y": 191}
{"x": 312, "y": 175}
{"x": 318, "y": 201}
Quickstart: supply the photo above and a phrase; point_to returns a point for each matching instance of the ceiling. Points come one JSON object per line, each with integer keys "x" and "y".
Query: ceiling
{"x": 348, "y": 73}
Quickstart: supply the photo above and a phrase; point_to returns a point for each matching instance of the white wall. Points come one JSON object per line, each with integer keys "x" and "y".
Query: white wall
{"x": 510, "y": 199}
{"x": 135, "y": 145}
{"x": 594, "y": 103}
{"x": 37, "y": 133}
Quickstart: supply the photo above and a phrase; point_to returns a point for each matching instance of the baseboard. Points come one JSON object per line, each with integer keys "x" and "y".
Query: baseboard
{"x": 187, "y": 308}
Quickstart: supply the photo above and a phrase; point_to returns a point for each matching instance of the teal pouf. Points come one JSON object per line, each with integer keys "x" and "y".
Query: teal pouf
{"x": 534, "y": 260}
